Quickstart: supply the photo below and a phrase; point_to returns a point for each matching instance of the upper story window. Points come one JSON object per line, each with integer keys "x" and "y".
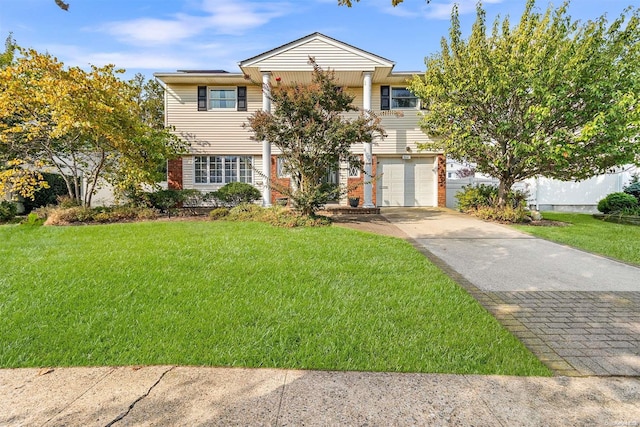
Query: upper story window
{"x": 403, "y": 98}
{"x": 397, "y": 98}
{"x": 222, "y": 98}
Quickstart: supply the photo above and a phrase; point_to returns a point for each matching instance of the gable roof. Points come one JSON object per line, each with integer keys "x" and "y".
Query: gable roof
{"x": 337, "y": 55}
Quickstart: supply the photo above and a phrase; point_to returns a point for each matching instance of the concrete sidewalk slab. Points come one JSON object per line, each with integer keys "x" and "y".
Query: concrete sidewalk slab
{"x": 160, "y": 396}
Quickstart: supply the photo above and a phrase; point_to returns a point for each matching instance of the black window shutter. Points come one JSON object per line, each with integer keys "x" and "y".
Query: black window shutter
{"x": 202, "y": 98}
{"x": 242, "y": 98}
{"x": 385, "y": 98}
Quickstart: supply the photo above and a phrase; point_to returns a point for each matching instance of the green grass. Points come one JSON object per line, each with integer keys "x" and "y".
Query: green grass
{"x": 239, "y": 294}
{"x": 617, "y": 241}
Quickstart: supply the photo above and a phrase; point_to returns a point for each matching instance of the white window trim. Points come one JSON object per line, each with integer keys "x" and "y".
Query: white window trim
{"x": 229, "y": 88}
{"x": 280, "y": 168}
{"x": 391, "y": 97}
{"x": 350, "y": 169}
{"x": 224, "y": 176}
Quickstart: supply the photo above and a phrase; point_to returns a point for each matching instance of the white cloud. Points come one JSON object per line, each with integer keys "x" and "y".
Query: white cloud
{"x": 234, "y": 17}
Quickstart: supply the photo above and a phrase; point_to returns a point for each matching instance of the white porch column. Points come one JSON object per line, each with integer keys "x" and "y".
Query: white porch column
{"x": 266, "y": 145}
{"x": 368, "y": 147}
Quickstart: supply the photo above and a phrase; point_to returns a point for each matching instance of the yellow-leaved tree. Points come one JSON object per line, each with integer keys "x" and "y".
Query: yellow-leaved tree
{"x": 86, "y": 125}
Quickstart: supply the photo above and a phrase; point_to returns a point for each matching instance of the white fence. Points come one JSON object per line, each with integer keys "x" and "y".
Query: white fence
{"x": 547, "y": 194}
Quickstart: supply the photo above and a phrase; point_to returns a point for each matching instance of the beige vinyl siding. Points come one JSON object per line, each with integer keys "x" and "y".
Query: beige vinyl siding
{"x": 401, "y": 126}
{"x": 188, "y": 174}
{"x": 216, "y": 131}
{"x": 326, "y": 55}
{"x": 221, "y": 132}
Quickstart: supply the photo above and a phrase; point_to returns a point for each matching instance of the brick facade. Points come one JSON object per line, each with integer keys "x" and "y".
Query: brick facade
{"x": 278, "y": 182}
{"x": 442, "y": 181}
{"x": 356, "y": 185}
{"x": 174, "y": 174}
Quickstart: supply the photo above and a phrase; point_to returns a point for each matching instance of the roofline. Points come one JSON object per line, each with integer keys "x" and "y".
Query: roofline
{"x": 178, "y": 74}
{"x": 309, "y": 36}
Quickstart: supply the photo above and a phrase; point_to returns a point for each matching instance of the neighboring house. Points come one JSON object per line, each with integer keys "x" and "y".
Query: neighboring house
{"x": 208, "y": 109}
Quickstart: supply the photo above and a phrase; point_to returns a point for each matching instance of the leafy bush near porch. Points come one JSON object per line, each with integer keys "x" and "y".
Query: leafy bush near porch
{"x": 236, "y": 193}
{"x": 618, "y": 203}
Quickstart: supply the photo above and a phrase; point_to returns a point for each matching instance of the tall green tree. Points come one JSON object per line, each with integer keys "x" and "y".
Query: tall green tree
{"x": 7, "y": 57}
{"x": 308, "y": 126}
{"x": 549, "y": 96}
{"x": 87, "y": 125}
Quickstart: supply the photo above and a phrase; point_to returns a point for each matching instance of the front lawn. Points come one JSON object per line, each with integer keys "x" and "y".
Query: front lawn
{"x": 617, "y": 241}
{"x": 239, "y": 294}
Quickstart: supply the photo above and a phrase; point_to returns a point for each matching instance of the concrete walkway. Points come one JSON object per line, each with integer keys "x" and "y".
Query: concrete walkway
{"x": 189, "y": 396}
{"x": 578, "y": 312}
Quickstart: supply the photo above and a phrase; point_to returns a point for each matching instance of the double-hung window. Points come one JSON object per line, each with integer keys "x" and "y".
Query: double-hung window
{"x": 223, "y": 169}
{"x": 397, "y": 98}
{"x": 222, "y": 98}
{"x": 403, "y": 98}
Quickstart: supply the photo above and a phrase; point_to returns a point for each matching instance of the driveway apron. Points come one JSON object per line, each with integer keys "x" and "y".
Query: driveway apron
{"x": 578, "y": 312}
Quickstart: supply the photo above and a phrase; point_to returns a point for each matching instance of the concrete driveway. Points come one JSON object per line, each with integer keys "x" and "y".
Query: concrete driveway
{"x": 578, "y": 312}
{"x": 495, "y": 257}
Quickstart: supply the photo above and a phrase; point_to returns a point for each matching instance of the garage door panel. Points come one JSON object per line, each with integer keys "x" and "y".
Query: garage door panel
{"x": 406, "y": 182}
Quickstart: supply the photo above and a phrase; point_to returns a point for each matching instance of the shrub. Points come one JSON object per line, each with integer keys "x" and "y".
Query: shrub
{"x": 237, "y": 193}
{"x": 47, "y": 196}
{"x": 193, "y": 198}
{"x": 8, "y": 211}
{"x": 616, "y": 202}
{"x": 61, "y": 216}
{"x": 634, "y": 187}
{"x": 506, "y": 214}
{"x": 166, "y": 199}
{"x": 33, "y": 220}
{"x": 473, "y": 196}
{"x": 218, "y": 213}
{"x": 275, "y": 215}
{"x": 65, "y": 201}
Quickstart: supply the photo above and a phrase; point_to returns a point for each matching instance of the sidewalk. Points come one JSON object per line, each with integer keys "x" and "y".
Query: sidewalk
{"x": 168, "y": 396}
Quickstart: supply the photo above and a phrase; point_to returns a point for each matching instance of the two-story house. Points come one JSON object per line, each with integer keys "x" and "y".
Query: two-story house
{"x": 209, "y": 107}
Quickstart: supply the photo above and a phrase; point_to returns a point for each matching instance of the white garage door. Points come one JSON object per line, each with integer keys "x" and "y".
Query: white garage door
{"x": 406, "y": 182}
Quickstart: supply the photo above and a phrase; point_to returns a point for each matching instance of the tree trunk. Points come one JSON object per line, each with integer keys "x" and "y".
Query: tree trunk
{"x": 503, "y": 190}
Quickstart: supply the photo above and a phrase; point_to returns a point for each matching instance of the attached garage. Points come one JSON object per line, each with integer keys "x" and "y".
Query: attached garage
{"x": 406, "y": 182}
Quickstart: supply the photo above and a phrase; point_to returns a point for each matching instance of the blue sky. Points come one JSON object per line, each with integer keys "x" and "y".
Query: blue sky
{"x": 165, "y": 35}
